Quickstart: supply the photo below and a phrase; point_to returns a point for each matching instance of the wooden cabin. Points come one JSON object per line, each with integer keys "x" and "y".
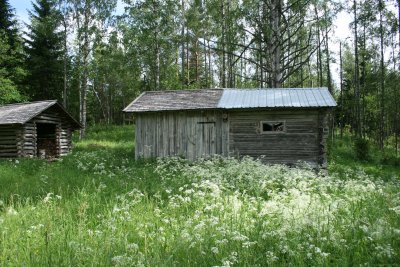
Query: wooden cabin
{"x": 277, "y": 125}
{"x": 37, "y": 129}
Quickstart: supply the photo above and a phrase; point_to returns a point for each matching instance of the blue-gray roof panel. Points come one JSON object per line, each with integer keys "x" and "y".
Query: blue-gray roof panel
{"x": 295, "y": 98}
{"x": 311, "y": 98}
{"x": 271, "y": 97}
{"x": 328, "y": 98}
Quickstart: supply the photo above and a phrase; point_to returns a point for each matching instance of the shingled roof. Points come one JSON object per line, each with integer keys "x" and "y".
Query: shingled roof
{"x": 232, "y": 99}
{"x": 175, "y": 100}
{"x": 23, "y": 112}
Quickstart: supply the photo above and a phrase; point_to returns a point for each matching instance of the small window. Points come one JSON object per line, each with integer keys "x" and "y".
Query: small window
{"x": 273, "y": 126}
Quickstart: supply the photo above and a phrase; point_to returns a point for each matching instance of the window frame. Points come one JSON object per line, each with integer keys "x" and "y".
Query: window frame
{"x": 272, "y": 123}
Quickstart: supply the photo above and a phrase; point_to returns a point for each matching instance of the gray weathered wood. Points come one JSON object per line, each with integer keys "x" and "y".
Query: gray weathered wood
{"x": 203, "y": 133}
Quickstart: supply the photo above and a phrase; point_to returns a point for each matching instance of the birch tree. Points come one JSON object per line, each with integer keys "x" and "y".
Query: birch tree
{"x": 91, "y": 18}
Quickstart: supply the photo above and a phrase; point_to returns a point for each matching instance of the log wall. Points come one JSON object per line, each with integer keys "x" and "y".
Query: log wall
{"x": 303, "y": 140}
{"x": 10, "y": 141}
{"x": 190, "y": 134}
{"x": 28, "y": 148}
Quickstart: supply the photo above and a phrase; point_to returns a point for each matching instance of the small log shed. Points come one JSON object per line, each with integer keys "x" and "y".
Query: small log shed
{"x": 277, "y": 125}
{"x": 37, "y": 129}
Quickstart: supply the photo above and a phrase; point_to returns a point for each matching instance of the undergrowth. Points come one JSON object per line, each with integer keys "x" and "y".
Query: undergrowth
{"x": 98, "y": 206}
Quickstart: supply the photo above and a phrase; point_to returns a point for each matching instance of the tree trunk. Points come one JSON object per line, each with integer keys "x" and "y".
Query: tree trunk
{"x": 261, "y": 62}
{"x": 183, "y": 44}
{"x": 328, "y": 56}
{"x": 84, "y": 83}
{"x": 341, "y": 91}
{"x": 363, "y": 87}
{"x": 319, "y": 52}
{"x": 196, "y": 53}
{"x": 382, "y": 78}
{"x": 223, "y": 72}
{"x": 205, "y": 65}
{"x": 275, "y": 19}
{"x": 211, "y": 73}
{"x": 397, "y": 89}
{"x": 65, "y": 58}
{"x": 356, "y": 74}
{"x": 187, "y": 59}
{"x": 157, "y": 66}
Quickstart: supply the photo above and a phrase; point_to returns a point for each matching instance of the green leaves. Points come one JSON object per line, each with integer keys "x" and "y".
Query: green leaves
{"x": 8, "y": 92}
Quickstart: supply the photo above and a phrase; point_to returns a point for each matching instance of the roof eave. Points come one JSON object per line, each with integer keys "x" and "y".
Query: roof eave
{"x": 227, "y": 109}
{"x": 170, "y": 110}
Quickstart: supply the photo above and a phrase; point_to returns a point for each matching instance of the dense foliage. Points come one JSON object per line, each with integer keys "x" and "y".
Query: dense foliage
{"x": 12, "y": 72}
{"x": 100, "y": 207}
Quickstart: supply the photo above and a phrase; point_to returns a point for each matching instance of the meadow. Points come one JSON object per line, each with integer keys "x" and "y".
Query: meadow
{"x": 100, "y": 207}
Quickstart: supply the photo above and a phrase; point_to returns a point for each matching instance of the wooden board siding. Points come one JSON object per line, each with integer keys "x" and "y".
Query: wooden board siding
{"x": 302, "y": 140}
{"x": 190, "y": 134}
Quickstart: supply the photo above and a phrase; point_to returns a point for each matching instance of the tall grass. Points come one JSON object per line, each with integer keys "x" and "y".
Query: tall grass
{"x": 100, "y": 207}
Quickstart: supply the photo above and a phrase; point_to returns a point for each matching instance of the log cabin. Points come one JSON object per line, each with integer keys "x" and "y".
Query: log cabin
{"x": 278, "y": 126}
{"x": 36, "y": 129}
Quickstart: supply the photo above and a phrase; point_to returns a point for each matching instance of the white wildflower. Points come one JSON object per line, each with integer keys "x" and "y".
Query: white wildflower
{"x": 396, "y": 210}
{"x": 214, "y": 250}
{"x": 48, "y": 198}
{"x": 133, "y": 246}
{"x": 11, "y": 211}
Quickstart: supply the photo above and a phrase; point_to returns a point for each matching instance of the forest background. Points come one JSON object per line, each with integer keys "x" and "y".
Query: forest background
{"x": 95, "y": 60}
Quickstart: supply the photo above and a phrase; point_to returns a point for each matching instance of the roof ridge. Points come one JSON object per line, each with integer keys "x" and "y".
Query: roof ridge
{"x": 222, "y": 89}
{"x": 275, "y": 88}
{"x": 185, "y": 90}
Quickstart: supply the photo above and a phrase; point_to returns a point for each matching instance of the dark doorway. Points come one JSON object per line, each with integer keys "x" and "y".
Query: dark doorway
{"x": 46, "y": 140}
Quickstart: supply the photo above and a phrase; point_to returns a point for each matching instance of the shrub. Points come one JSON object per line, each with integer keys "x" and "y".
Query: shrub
{"x": 361, "y": 148}
{"x": 390, "y": 159}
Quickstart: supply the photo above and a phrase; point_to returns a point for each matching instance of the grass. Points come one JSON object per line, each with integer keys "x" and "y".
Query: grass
{"x": 99, "y": 207}
{"x": 380, "y": 165}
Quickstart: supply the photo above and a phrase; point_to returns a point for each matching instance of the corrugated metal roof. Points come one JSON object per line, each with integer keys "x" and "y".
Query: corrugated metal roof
{"x": 232, "y": 99}
{"x": 274, "y": 97}
{"x": 23, "y": 112}
{"x": 175, "y": 100}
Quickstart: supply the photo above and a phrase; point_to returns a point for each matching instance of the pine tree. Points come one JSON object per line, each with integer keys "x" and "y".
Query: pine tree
{"x": 11, "y": 56}
{"x": 8, "y": 24}
{"x": 44, "y": 49}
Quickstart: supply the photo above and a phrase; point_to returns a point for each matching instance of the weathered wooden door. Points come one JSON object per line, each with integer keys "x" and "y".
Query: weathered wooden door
{"x": 205, "y": 139}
